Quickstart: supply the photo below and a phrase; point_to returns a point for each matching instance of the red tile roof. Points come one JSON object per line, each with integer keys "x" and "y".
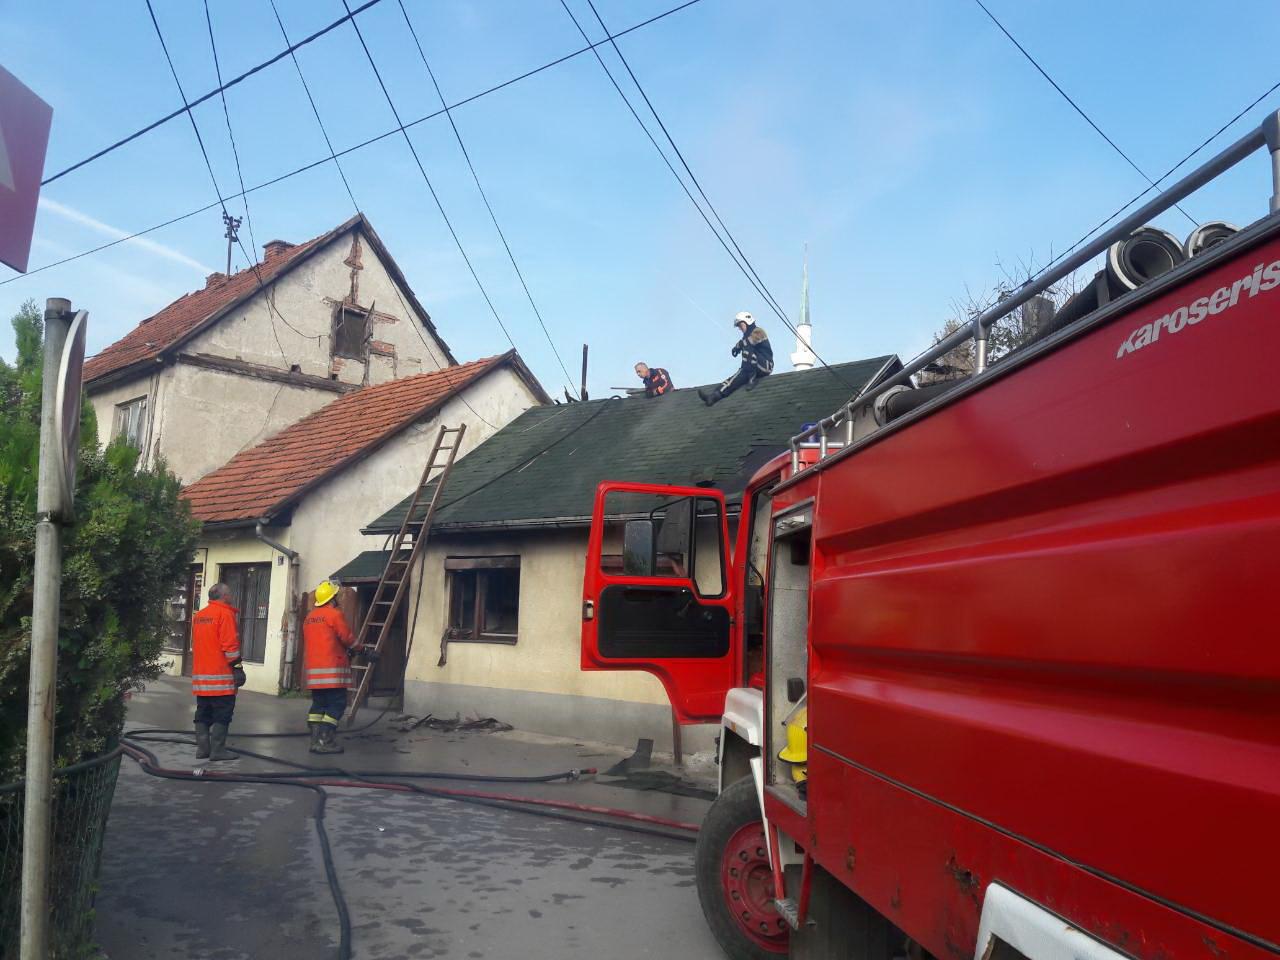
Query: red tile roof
{"x": 265, "y": 480}
{"x": 180, "y": 318}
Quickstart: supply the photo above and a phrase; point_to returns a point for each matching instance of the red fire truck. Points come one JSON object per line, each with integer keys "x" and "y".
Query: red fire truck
{"x": 1031, "y": 615}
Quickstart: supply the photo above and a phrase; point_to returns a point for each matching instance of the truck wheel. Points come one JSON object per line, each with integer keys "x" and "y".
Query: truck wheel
{"x": 841, "y": 925}
{"x": 735, "y": 883}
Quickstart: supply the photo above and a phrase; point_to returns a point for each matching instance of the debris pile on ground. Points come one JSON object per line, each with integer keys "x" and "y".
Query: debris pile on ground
{"x": 474, "y": 725}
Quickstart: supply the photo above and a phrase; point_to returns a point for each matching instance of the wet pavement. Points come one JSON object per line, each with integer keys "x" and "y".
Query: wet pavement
{"x": 230, "y": 871}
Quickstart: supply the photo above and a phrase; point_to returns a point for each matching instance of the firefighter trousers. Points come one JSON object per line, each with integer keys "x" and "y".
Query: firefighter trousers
{"x": 213, "y": 710}
{"x": 327, "y": 705}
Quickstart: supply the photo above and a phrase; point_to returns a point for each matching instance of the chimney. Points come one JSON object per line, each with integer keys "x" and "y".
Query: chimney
{"x": 274, "y": 249}
{"x": 214, "y": 279}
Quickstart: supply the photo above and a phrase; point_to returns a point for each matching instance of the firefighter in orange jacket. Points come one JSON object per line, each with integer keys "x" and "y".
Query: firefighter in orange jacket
{"x": 329, "y": 646}
{"x": 216, "y": 673}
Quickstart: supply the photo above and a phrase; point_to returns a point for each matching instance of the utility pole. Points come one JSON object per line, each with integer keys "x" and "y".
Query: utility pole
{"x": 232, "y": 234}
{"x": 37, "y": 815}
{"x": 582, "y": 390}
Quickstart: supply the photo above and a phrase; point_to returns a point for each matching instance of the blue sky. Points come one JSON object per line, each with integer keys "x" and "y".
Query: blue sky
{"x": 908, "y": 144}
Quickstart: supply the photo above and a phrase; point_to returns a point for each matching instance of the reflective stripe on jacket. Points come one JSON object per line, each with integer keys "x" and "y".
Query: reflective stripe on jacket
{"x": 326, "y": 639}
{"x": 214, "y": 646}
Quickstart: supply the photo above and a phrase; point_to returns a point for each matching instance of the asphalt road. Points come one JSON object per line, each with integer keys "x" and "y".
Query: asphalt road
{"x": 223, "y": 871}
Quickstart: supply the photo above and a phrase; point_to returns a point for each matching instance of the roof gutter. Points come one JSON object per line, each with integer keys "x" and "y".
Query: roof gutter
{"x": 289, "y": 655}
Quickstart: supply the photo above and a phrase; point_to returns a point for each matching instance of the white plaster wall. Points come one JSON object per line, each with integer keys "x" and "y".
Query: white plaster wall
{"x": 151, "y": 385}
{"x": 242, "y": 547}
{"x": 298, "y": 331}
{"x": 326, "y": 525}
{"x": 210, "y": 416}
{"x": 546, "y": 657}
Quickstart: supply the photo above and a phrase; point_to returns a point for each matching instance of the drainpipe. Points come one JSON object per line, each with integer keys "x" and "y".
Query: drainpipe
{"x": 289, "y": 653}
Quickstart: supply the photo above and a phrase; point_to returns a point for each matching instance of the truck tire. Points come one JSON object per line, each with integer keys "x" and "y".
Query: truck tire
{"x": 735, "y": 883}
{"x": 841, "y": 926}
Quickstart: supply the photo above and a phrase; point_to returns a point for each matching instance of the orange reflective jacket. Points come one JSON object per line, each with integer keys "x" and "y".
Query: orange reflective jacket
{"x": 326, "y": 638}
{"x": 214, "y": 645}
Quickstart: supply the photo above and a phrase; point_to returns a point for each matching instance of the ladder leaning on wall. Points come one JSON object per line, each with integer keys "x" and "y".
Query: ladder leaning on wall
{"x": 405, "y": 547}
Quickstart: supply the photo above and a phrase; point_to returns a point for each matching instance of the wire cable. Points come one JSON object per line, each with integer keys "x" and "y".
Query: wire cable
{"x": 235, "y": 152}
{"x": 324, "y": 132}
{"x": 756, "y": 285}
{"x": 341, "y": 153}
{"x": 423, "y": 170}
{"x": 484, "y": 196}
{"x": 208, "y": 96}
{"x": 1075, "y": 106}
{"x": 773, "y": 301}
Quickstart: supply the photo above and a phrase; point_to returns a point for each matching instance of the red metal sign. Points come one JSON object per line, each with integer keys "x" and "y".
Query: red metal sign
{"x": 24, "y": 135}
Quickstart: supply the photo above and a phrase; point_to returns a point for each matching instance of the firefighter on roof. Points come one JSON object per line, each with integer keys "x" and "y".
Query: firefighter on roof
{"x": 757, "y": 360}
{"x": 656, "y": 380}
{"x": 215, "y": 672}
{"x": 328, "y": 648}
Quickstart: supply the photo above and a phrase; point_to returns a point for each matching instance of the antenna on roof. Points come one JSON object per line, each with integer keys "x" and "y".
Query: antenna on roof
{"x": 232, "y": 234}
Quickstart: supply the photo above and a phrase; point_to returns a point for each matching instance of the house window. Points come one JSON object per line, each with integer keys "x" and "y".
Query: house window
{"x": 130, "y": 422}
{"x": 350, "y": 332}
{"x": 250, "y": 585}
{"x": 484, "y": 599}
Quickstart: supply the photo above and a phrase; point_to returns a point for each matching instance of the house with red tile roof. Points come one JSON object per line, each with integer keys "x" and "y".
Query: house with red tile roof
{"x": 283, "y": 514}
{"x": 223, "y": 367}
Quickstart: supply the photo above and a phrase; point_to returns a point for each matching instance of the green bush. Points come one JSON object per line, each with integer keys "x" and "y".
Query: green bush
{"x": 126, "y": 554}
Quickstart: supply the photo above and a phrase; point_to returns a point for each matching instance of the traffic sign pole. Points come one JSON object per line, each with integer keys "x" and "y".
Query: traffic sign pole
{"x": 36, "y": 839}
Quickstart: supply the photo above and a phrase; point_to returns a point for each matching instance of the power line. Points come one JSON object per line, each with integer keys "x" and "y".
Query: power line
{"x": 1075, "y": 106}
{"x": 208, "y": 96}
{"x": 314, "y": 109}
{"x": 333, "y": 155}
{"x": 235, "y": 153}
{"x": 483, "y": 196}
{"x": 1165, "y": 176}
{"x": 395, "y": 286}
{"x": 702, "y": 193}
{"x": 423, "y": 170}
{"x": 755, "y": 283}
{"x": 218, "y": 190}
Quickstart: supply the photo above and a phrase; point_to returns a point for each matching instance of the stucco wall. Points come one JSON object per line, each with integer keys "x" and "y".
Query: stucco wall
{"x": 326, "y": 525}
{"x": 210, "y": 416}
{"x": 152, "y": 385}
{"x": 537, "y": 683}
{"x": 304, "y": 299}
{"x": 241, "y": 547}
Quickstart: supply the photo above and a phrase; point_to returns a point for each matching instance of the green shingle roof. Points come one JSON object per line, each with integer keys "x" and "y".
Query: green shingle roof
{"x": 364, "y": 566}
{"x": 546, "y": 464}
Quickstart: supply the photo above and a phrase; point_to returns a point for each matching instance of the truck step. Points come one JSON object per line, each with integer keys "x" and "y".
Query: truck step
{"x": 789, "y": 910}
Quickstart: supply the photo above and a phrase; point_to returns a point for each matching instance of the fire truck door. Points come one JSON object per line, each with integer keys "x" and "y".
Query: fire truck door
{"x": 657, "y": 595}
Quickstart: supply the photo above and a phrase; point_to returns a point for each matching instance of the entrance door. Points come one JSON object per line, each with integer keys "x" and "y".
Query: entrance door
{"x": 250, "y": 585}
{"x": 181, "y": 605}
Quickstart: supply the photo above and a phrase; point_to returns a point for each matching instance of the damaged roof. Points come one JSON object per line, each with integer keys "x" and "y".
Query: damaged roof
{"x": 267, "y": 480}
{"x": 543, "y": 467}
{"x": 193, "y": 312}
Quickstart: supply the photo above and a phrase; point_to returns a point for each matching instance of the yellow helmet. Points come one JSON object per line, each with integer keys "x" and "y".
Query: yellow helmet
{"x": 325, "y": 592}
{"x": 796, "y": 752}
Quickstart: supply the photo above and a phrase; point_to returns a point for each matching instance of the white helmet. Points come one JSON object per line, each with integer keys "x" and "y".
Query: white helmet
{"x": 744, "y": 317}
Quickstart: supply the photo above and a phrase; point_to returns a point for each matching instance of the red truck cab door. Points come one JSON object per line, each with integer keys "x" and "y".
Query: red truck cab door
{"x": 657, "y": 593}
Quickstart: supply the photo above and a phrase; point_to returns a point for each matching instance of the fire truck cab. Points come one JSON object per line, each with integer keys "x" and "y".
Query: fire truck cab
{"x": 1026, "y": 619}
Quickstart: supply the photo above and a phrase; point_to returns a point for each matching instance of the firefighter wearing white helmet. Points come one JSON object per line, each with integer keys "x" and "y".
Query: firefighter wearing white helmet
{"x": 757, "y": 360}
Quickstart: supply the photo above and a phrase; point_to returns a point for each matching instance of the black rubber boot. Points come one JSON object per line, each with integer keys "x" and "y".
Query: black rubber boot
{"x": 202, "y": 741}
{"x": 328, "y": 739}
{"x": 316, "y": 734}
{"x": 709, "y": 395}
{"x": 218, "y": 743}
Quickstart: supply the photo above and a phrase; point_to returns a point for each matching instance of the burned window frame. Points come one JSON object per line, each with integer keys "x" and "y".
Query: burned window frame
{"x": 483, "y": 572}
{"x": 346, "y": 315}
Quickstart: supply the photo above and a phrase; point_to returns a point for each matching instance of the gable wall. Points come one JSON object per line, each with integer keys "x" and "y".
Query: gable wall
{"x": 298, "y": 330}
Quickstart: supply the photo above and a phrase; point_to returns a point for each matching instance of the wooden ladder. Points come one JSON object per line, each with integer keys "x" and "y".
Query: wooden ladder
{"x": 408, "y": 542}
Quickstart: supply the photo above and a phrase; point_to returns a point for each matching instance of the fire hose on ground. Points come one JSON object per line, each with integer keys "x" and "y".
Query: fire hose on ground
{"x": 316, "y": 778}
